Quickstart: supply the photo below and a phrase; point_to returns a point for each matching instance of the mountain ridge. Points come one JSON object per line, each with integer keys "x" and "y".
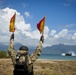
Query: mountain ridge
{"x": 55, "y": 49}
{"x": 59, "y": 48}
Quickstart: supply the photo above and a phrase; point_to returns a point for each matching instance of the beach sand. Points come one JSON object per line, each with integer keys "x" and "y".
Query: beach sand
{"x": 42, "y": 67}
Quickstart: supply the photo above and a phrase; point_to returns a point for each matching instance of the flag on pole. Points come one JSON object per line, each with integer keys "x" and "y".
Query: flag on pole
{"x": 40, "y": 25}
{"x": 12, "y": 23}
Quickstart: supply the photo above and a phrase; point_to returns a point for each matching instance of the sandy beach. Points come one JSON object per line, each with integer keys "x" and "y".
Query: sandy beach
{"x": 42, "y": 67}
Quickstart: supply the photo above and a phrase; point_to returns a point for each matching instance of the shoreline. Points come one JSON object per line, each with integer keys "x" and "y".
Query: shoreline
{"x": 54, "y": 60}
{"x": 41, "y": 59}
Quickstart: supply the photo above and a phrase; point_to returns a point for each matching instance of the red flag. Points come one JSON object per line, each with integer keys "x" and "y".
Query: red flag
{"x": 40, "y": 25}
{"x": 12, "y": 23}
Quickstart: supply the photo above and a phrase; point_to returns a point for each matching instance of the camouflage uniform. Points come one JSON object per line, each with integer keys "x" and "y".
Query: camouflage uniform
{"x": 31, "y": 58}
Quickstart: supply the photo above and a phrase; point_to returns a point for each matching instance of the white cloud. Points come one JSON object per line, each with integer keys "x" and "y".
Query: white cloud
{"x": 21, "y": 26}
{"x": 25, "y": 35}
{"x": 63, "y": 33}
{"x": 46, "y": 31}
{"x": 36, "y": 34}
{"x": 23, "y": 30}
{"x": 27, "y": 14}
{"x": 56, "y": 36}
{"x": 74, "y": 36}
{"x": 69, "y": 26}
{"x": 63, "y": 37}
{"x": 52, "y": 33}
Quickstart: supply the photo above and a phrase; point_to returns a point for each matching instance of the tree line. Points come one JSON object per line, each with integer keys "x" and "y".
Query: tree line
{"x": 4, "y": 54}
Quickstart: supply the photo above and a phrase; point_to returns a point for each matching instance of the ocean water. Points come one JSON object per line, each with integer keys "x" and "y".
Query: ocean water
{"x": 56, "y": 57}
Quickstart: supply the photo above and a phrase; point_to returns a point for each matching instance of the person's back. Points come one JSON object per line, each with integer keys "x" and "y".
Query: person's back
{"x": 23, "y": 63}
{"x": 23, "y": 68}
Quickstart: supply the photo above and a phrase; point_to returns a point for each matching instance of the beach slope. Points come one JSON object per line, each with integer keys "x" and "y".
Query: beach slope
{"x": 42, "y": 67}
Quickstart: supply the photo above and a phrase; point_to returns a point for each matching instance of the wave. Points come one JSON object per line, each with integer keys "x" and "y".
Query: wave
{"x": 70, "y": 53}
{"x": 73, "y": 53}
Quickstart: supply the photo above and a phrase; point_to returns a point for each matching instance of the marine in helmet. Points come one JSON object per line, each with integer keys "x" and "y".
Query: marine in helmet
{"x": 22, "y": 62}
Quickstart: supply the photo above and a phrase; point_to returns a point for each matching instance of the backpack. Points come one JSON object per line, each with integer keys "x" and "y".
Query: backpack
{"x": 22, "y": 68}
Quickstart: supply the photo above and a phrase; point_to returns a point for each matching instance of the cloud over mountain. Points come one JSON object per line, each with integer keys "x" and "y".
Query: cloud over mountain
{"x": 26, "y": 35}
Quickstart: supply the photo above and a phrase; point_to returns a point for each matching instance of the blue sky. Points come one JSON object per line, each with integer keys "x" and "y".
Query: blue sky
{"x": 60, "y": 23}
{"x": 57, "y": 12}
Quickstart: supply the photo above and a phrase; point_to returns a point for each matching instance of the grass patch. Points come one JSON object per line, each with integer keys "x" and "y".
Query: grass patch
{"x": 42, "y": 67}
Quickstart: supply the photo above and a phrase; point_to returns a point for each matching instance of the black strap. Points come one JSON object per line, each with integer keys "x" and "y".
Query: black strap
{"x": 26, "y": 63}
